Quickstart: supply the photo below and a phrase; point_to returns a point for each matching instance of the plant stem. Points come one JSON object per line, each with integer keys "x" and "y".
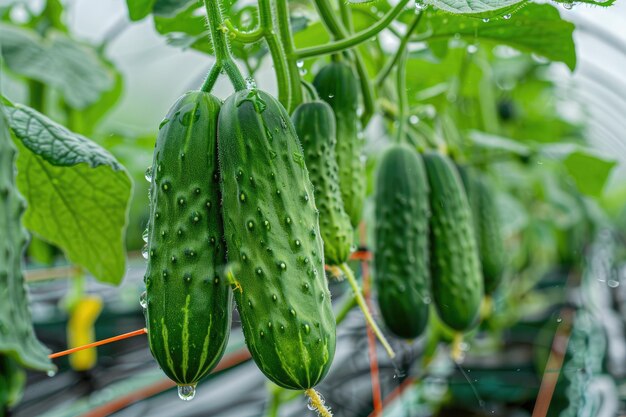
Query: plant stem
{"x": 223, "y": 57}
{"x": 252, "y": 36}
{"x": 358, "y": 38}
{"x": 284, "y": 28}
{"x": 345, "y": 308}
{"x": 346, "y": 15}
{"x": 402, "y": 96}
{"x": 366, "y": 311}
{"x": 403, "y": 43}
{"x": 276, "y": 51}
{"x": 318, "y": 403}
{"x": 211, "y": 78}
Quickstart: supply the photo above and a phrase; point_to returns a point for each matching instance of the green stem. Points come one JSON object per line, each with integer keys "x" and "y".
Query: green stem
{"x": 252, "y": 36}
{"x": 311, "y": 90}
{"x": 351, "y": 41}
{"x": 345, "y": 308}
{"x": 275, "y": 402}
{"x": 366, "y": 311}
{"x": 402, "y": 96}
{"x": 211, "y": 79}
{"x": 346, "y": 15}
{"x": 276, "y": 51}
{"x": 403, "y": 43}
{"x": 223, "y": 57}
{"x": 284, "y": 28}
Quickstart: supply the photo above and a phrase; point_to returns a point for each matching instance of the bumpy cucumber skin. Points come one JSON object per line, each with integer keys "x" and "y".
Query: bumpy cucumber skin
{"x": 337, "y": 84}
{"x": 189, "y": 305}
{"x": 315, "y": 125}
{"x": 457, "y": 283}
{"x": 488, "y": 229}
{"x": 402, "y": 275}
{"x": 17, "y": 337}
{"x": 273, "y": 238}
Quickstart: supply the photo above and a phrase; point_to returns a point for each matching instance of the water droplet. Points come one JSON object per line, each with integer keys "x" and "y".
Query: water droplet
{"x": 472, "y": 49}
{"x": 274, "y": 297}
{"x": 165, "y": 186}
{"x": 181, "y": 201}
{"x": 143, "y": 300}
{"x": 186, "y": 392}
{"x": 250, "y": 225}
{"x": 307, "y": 329}
{"x": 288, "y": 220}
{"x": 300, "y": 64}
{"x": 144, "y": 235}
{"x": 148, "y": 174}
{"x": 507, "y": 16}
{"x": 331, "y": 95}
{"x": 486, "y": 20}
{"x": 568, "y": 6}
{"x": 144, "y": 252}
{"x": 51, "y": 373}
{"x": 282, "y": 266}
{"x": 250, "y": 83}
{"x": 612, "y": 283}
{"x": 558, "y": 320}
{"x": 414, "y": 120}
{"x": 297, "y": 242}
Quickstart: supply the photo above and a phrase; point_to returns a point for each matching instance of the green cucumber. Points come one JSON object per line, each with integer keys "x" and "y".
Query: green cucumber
{"x": 273, "y": 239}
{"x": 337, "y": 84}
{"x": 487, "y": 226}
{"x": 188, "y": 305}
{"x": 402, "y": 274}
{"x": 315, "y": 125}
{"x": 457, "y": 283}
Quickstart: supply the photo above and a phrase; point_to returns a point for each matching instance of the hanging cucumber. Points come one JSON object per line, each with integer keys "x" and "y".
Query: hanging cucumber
{"x": 487, "y": 226}
{"x": 457, "y": 283}
{"x": 314, "y": 122}
{"x": 188, "y": 304}
{"x": 337, "y": 84}
{"x": 402, "y": 276}
{"x": 273, "y": 238}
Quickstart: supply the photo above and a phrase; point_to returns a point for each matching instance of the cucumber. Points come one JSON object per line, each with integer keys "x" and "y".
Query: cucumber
{"x": 457, "y": 283}
{"x": 337, "y": 84}
{"x": 487, "y": 226}
{"x": 273, "y": 239}
{"x": 188, "y": 305}
{"x": 315, "y": 125}
{"x": 402, "y": 276}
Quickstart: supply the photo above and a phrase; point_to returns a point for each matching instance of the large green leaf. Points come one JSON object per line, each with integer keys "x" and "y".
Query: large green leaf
{"x": 171, "y": 8}
{"x": 588, "y": 169}
{"x": 138, "y": 9}
{"x": 77, "y": 193}
{"x": 74, "y": 69}
{"x": 536, "y": 28}
{"x": 482, "y": 9}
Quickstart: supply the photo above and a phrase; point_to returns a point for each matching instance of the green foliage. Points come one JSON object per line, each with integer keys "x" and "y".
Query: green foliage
{"x": 77, "y": 193}
{"x": 75, "y": 70}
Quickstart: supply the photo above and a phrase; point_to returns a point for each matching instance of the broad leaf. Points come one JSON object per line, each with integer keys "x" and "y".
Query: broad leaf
{"x": 482, "y": 9}
{"x": 588, "y": 169}
{"x": 77, "y": 193}
{"x": 537, "y": 28}
{"x": 138, "y": 9}
{"x": 74, "y": 69}
{"x": 170, "y": 8}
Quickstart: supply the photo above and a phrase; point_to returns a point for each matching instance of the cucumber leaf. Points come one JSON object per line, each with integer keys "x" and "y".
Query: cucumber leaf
{"x": 77, "y": 193}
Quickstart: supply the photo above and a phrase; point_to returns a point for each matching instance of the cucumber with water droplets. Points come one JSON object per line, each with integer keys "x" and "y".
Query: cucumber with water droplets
{"x": 401, "y": 266}
{"x": 337, "y": 84}
{"x": 188, "y": 304}
{"x": 273, "y": 239}
{"x": 315, "y": 125}
{"x": 457, "y": 283}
